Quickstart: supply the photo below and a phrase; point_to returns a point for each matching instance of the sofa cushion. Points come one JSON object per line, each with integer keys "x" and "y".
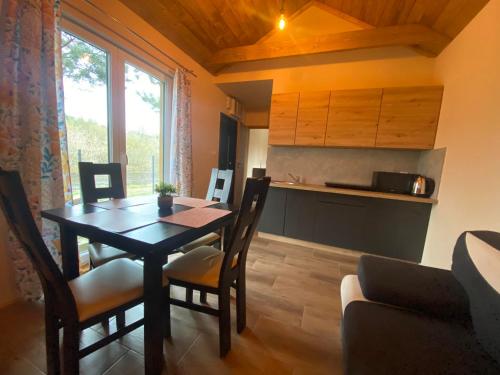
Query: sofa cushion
{"x": 412, "y": 286}
{"x": 381, "y": 339}
{"x": 350, "y": 291}
{"x": 476, "y": 264}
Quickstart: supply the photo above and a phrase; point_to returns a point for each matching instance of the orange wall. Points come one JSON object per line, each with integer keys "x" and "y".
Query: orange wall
{"x": 469, "y": 196}
{"x": 377, "y": 68}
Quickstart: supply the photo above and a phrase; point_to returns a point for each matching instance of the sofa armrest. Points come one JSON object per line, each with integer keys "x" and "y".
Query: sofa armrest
{"x": 411, "y": 286}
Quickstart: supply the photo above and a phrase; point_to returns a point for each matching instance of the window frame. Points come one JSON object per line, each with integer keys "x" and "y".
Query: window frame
{"x": 117, "y": 56}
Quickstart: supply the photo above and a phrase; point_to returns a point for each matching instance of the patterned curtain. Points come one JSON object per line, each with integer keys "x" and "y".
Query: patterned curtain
{"x": 181, "y": 155}
{"x": 31, "y": 130}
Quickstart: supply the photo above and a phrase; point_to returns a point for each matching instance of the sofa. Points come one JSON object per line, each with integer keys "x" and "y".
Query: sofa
{"x": 404, "y": 318}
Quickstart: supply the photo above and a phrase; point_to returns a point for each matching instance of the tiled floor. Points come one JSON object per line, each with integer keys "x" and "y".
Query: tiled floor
{"x": 293, "y": 324}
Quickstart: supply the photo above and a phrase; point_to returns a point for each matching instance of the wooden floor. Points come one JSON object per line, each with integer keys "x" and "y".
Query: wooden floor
{"x": 293, "y": 324}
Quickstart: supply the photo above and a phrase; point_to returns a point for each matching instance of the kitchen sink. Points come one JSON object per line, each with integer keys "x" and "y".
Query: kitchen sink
{"x": 285, "y": 182}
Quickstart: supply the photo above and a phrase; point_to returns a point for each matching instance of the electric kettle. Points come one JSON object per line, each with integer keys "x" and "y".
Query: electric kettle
{"x": 422, "y": 186}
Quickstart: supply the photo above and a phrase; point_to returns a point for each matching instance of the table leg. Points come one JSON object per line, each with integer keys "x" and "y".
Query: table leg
{"x": 153, "y": 315}
{"x": 69, "y": 253}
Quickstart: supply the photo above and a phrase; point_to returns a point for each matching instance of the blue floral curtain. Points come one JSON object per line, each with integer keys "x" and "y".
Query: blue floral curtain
{"x": 32, "y": 129}
{"x": 181, "y": 155}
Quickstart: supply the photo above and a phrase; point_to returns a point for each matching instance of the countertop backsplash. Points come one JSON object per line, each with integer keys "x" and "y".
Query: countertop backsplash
{"x": 317, "y": 165}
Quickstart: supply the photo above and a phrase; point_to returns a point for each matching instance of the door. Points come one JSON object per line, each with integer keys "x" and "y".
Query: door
{"x": 227, "y": 146}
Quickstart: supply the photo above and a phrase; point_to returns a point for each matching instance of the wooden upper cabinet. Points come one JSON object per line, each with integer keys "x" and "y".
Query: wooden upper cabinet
{"x": 312, "y": 117}
{"x": 283, "y": 118}
{"x": 409, "y": 117}
{"x": 353, "y": 118}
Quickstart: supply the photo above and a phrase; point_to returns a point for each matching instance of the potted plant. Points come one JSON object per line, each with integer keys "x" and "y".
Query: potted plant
{"x": 165, "y": 199}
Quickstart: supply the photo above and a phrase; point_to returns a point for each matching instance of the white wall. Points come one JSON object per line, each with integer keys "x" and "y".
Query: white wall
{"x": 257, "y": 149}
{"x": 470, "y": 129}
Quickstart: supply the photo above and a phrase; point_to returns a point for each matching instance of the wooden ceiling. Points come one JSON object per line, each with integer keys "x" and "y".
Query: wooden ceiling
{"x": 217, "y": 33}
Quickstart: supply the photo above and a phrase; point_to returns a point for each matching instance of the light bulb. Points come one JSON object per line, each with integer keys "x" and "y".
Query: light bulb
{"x": 282, "y": 22}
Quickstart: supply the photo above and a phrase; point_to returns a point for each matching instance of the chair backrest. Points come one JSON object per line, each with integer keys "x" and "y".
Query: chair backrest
{"x": 215, "y": 190}
{"x": 14, "y": 204}
{"x": 90, "y": 192}
{"x": 251, "y": 208}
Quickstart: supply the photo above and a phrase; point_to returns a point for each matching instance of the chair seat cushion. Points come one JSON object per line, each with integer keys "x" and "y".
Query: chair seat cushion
{"x": 381, "y": 339}
{"x": 206, "y": 240}
{"x": 100, "y": 254}
{"x": 106, "y": 287}
{"x": 199, "y": 266}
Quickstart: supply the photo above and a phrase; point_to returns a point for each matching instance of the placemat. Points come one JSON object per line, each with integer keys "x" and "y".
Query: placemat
{"x": 195, "y": 217}
{"x": 193, "y": 202}
{"x": 125, "y": 202}
{"x": 115, "y": 220}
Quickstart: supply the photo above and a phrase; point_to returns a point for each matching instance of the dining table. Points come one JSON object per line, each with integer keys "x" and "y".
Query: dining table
{"x": 137, "y": 226}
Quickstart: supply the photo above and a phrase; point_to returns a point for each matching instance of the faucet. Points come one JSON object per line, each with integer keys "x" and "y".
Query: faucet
{"x": 295, "y": 179}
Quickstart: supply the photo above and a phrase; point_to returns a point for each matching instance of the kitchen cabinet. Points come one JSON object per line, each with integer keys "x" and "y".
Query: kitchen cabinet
{"x": 353, "y": 118}
{"x": 283, "y": 118}
{"x": 299, "y": 214}
{"x": 409, "y": 117}
{"x": 386, "y": 227}
{"x": 311, "y": 118}
{"x": 397, "y": 118}
{"x": 272, "y": 219}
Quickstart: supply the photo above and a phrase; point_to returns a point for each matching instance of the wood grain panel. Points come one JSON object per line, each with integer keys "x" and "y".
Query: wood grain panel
{"x": 312, "y": 117}
{"x": 283, "y": 118}
{"x": 353, "y": 118}
{"x": 409, "y": 117}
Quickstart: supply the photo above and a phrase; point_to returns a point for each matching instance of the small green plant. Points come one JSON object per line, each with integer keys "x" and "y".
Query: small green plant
{"x": 164, "y": 189}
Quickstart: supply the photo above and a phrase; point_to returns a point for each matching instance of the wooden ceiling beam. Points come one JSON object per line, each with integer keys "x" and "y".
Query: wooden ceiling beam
{"x": 425, "y": 39}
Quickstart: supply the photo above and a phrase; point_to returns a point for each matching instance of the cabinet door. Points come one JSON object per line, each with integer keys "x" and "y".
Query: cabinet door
{"x": 283, "y": 118}
{"x": 409, "y": 117}
{"x": 353, "y": 118}
{"x": 272, "y": 219}
{"x": 300, "y": 214}
{"x": 312, "y": 117}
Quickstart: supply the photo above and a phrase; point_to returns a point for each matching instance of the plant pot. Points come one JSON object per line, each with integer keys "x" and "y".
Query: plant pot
{"x": 165, "y": 202}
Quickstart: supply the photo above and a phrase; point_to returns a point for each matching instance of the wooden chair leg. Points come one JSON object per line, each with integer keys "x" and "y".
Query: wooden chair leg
{"x": 120, "y": 320}
{"x": 241, "y": 309}
{"x": 224, "y": 322}
{"x": 189, "y": 295}
{"x": 52, "y": 342}
{"x": 203, "y": 297}
{"x": 71, "y": 341}
{"x": 167, "y": 330}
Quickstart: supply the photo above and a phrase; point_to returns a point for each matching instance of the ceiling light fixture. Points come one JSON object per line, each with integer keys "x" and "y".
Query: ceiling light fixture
{"x": 282, "y": 20}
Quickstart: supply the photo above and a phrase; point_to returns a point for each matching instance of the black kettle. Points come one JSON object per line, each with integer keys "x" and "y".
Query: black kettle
{"x": 423, "y": 186}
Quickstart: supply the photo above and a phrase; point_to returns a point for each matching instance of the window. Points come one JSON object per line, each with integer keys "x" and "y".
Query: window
{"x": 117, "y": 109}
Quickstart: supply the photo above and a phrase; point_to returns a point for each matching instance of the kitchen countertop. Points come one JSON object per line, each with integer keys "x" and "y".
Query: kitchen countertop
{"x": 360, "y": 193}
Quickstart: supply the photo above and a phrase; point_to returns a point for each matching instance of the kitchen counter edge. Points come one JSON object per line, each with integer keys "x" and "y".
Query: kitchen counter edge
{"x": 360, "y": 193}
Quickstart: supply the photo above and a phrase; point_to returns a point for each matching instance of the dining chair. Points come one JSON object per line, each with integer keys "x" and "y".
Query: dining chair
{"x": 210, "y": 270}
{"x": 215, "y": 192}
{"x": 219, "y": 189}
{"x": 71, "y": 305}
{"x": 100, "y": 254}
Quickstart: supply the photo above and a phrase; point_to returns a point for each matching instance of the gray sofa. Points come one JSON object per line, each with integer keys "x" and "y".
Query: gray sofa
{"x": 404, "y": 318}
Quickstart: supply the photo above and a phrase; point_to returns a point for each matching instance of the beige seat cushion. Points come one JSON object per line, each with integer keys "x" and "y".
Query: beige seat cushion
{"x": 200, "y": 266}
{"x": 107, "y": 287}
{"x": 100, "y": 254}
{"x": 207, "y": 240}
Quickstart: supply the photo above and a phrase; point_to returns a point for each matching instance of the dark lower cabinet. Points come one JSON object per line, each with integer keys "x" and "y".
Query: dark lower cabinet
{"x": 299, "y": 214}
{"x": 273, "y": 215}
{"x": 384, "y": 227}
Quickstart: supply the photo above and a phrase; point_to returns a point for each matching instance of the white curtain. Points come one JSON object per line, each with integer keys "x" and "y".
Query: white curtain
{"x": 181, "y": 155}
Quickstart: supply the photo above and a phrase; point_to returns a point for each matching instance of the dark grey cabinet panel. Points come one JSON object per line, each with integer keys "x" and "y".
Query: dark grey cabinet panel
{"x": 300, "y": 214}
{"x": 379, "y": 226}
{"x": 341, "y": 221}
{"x": 273, "y": 215}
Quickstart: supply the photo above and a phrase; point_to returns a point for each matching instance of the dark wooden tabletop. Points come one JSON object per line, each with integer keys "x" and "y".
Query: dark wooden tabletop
{"x": 155, "y": 237}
